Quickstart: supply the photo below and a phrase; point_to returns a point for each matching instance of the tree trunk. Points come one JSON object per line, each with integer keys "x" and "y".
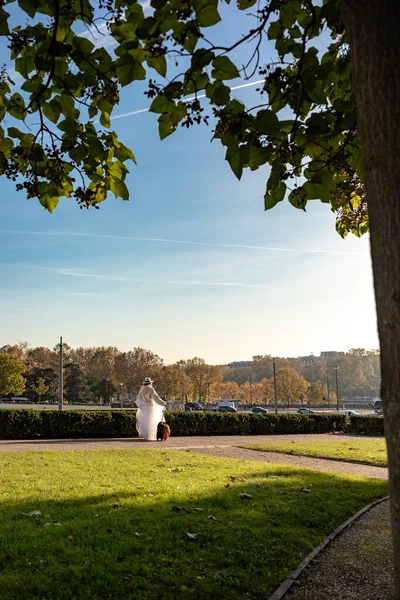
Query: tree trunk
{"x": 373, "y": 28}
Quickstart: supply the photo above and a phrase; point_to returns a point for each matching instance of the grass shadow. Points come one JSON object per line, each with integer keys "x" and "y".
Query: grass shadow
{"x": 114, "y": 524}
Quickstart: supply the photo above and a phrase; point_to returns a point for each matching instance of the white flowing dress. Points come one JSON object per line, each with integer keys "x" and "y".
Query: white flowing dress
{"x": 149, "y": 414}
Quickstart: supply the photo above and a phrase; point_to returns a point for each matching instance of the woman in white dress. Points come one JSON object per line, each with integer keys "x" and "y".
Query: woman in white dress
{"x": 150, "y": 410}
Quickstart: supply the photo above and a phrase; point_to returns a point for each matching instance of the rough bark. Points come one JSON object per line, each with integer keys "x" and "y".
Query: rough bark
{"x": 373, "y": 28}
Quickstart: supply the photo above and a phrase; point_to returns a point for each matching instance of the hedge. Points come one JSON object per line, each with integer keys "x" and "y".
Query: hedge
{"x": 50, "y": 424}
{"x": 368, "y": 425}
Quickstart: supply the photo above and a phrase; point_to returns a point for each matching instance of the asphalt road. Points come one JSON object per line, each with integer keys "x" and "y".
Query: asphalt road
{"x": 361, "y": 411}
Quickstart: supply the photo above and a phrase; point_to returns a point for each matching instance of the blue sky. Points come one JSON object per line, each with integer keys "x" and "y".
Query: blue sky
{"x": 249, "y": 282}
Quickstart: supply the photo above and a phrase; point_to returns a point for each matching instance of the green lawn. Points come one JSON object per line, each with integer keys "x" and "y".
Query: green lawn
{"x": 369, "y": 452}
{"x": 114, "y": 525}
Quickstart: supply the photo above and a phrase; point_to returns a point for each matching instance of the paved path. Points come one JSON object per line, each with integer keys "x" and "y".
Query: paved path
{"x": 357, "y": 565}
{"x": 224, "y": 446}
{"x": 176, "y": 443}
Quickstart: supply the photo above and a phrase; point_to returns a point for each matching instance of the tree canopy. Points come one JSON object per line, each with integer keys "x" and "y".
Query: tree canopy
{"x": 56, "y": 138}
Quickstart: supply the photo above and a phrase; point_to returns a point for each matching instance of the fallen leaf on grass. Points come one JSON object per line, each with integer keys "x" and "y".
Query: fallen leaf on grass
{"x": 32, "y": 513}
{"x": 129, "y": 576}
{"x": 272, "y": 477}
{"x": 306, "y": 490}
{"x": 211, "y": 517}
{"x": 255, "y": 483}
{"x": 233, "y": 478}
{"x": 138, "y": 534}
{"x": 192, "y": 536}
{"x": 175, "y": 470}
{"x": 193, "y": 509}
{"x": 246, "y": 496}
{"x": 53, "y": 523}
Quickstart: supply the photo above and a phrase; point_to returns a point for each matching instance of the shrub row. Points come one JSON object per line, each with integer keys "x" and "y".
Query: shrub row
{"x": 50, "y": 424}
{"x": 368, "y": 425}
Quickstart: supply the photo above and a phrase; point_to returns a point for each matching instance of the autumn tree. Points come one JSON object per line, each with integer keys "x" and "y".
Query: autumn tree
{"x": 41, "y": 357}
{"x": 204, "y": 377}
{"x": 132, "y": 367}
{"x": 12, "y": 383}
{"x": 317, "y": 392}
{"x": 291, "y": 388}
{"x": 173, "y": 383}
{"x": 267, "y": 386}
{"x": 40, "y": 388}
{"x": 227, "y": 390}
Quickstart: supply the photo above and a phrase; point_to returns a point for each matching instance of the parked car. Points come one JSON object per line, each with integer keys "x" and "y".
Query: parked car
{"x": 190, "y": 406}
{"x": 349, "y": 413}
{"x": 20, "y": 400}
{"x": 259, "y": 409}
{"x": 123, "y": 404}
{"x": 227, "y": 408}
{"x": 306, "y": 411}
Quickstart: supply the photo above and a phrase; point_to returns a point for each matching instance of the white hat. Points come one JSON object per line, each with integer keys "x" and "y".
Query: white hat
{"x": 147, "y": 381}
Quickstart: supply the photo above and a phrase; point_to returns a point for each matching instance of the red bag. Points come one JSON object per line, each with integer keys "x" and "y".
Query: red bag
{"x": 163, "y": 431}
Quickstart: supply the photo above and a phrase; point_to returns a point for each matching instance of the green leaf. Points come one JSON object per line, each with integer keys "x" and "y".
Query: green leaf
{"x": 224, "y": 68}
{"x": 14, "y": 132}
{"x": 266, "y": 122}
{"x": 298, "y": 198}
{"x": 124, "y": 153}
{"x": 272, "y": 198}
{"x": 218, "y": 93}
{"x": 28, "y": 6}
{"x": 245, "y": 4}
{"x": 274, "y": 30}
{"x": 52, "y": 110}
{"x": 202, "y": 58}
{"x": 17, "y": 107}
{"x": 234, "y": 158}
{"x": 49, "y": 202}
{"x": 161, "y": 104}
{"x": 105, "y": 119}
{"x": 317, "y": 191}
{"x": 159, "y": 64}
{"x": 165, "y": 126}
{"x": 118, "y": 188}
{"x": 208, "y": 16}
{"x": 4, "y": 29}
{"x": 129, "y": 69}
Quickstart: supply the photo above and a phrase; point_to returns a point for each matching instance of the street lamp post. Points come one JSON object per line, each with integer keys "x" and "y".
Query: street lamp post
{"x": 327, "y": 386}
{"x": 337, "y": 388}
{"x": 275, "y": 395}
{"x": 121, "y": 385}
{"x": 61, "y": 378}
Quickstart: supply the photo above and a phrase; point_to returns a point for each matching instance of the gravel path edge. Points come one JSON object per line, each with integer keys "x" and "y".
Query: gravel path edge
{"x": 282, "y": 590}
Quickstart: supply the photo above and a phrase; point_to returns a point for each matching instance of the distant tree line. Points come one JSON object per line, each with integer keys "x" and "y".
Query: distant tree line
{"x": 95, "y": 374}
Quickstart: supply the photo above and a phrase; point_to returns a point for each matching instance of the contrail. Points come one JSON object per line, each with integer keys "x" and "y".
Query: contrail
{"x": 183, "y": 242}
{"x": 72, "y": 273}
{"x": 143, "y": 110}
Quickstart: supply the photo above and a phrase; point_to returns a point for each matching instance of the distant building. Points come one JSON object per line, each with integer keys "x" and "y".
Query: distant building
{"x": 331, "y": 354}
{"x": 308, "y": 360}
